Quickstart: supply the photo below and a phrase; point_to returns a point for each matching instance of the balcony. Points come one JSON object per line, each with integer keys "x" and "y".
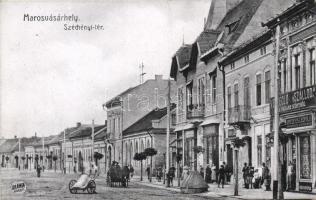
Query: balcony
{"x": 239, "y": 116}
{"x": 195, "y": 111}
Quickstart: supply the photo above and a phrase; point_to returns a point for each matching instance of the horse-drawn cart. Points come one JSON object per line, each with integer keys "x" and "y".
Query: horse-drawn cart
{"x": 116, "y": 176}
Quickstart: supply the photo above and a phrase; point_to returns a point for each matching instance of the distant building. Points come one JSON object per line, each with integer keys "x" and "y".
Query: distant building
{"x": 130, "y": 106}
{"x": 148, "y": 132}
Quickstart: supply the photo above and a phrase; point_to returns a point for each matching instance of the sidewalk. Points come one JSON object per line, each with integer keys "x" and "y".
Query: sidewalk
{"x": 227, "y": 192}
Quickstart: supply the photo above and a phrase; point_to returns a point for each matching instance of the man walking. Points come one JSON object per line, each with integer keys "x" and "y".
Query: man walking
{"x": 244, "y": 174}
{"x": 221, "y": 176}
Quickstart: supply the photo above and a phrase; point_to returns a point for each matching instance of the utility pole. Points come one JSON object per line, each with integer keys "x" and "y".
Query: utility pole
{"x": 92, "y": 135}
{"x": 64, "y": 152}
{"x": 276, "y": 173}
{"x": 43, "y": 150}
{"x": 19, "y": 153}
{"x": 168, "y": 130}
{"x": 122, "y": 108}
{"x": 142, "y": 73}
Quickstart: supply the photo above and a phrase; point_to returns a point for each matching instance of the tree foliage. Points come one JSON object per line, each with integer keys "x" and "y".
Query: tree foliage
{"x": 98, "y": 156}
{"x": 150, "y": 151}
{"x": 140, "y": 156}
{"x": 55, "y": 158}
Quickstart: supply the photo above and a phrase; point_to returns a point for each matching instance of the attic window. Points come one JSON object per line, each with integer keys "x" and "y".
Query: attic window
{"x": 232, "y": 26}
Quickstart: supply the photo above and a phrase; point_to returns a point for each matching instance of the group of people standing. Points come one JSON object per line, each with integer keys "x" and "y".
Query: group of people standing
{"x": 255, "y": 178}
{"x": 220, "y": 176}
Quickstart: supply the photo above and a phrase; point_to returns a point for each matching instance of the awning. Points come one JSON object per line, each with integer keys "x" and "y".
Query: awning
{"x": 184, "y": 127}
{"x": 210, "y": 121}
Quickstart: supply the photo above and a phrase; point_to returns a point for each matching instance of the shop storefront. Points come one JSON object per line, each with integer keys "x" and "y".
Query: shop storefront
{"x": 298, "y": 113}
{"x": 211, "y": 144}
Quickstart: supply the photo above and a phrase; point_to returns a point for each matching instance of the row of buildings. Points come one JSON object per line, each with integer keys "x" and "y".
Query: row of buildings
{"x": 225, "y": 81}
{"x": 222, "y": 89}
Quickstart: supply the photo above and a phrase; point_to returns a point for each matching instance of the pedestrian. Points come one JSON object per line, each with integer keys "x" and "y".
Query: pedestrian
{"x": 256, "y": 179}
{"x": 131, "y": 171}
{"x": 251, "y": 172}
{"x": 214, "y": 173}
{"x": 171, "y": 174}
{"x": 38, "y": 170}
{"x": 244, "y": 174}
{"x": 221, "y": 176}
{"x": 290, "y": 171}
{"x": 148, "y": 172}
{"x": 266, "y": 177}
{"x": 208, "y": 174}
{"x": 159, "y": 174}
{"x": 202, "y": 171}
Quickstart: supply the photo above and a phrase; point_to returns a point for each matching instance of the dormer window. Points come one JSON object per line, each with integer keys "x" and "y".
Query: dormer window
{"x": 232, "y": 26}
{"x": 246, "y": 58}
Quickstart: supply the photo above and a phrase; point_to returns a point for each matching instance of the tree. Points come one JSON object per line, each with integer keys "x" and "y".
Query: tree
{"x": 49, "y": 157}
{"x": 140, "y": 157}
{"x": 36, "y": 161}
{"x": 237, "y": 142}
{"x": 23, "y": 158}
{"x": 55, "y": 159}
{"x": 150, "y": 152}
{"x": 16, "y": 161}
{"x": 97, "y": 156}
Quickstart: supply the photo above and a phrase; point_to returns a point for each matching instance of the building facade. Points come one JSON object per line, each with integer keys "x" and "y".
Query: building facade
{"x": 295, "y": 28}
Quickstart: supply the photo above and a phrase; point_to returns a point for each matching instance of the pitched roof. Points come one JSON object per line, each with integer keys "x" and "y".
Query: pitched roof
{"x": 85, "y": 132}
{"x": 101, "y": 135}
{"x": 239, "y": 17}
{"x": 180, "y": 59}
{"x": 286, "y": 14}
{"x": 8, "y": 146}
{"x": 145, "y": 123}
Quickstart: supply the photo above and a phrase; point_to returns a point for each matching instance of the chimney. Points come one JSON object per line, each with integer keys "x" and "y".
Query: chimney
{"x": 217, "y": 12}
{"x": 35, "y": 134}
{"x": 78, "y": 124}
{"x": 158, "y": 77}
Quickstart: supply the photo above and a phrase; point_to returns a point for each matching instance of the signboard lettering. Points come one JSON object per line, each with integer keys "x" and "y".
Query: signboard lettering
{"x": 305, "y": 186}
{"x": 301, "y": 121}
{"x": 295, "y": 100}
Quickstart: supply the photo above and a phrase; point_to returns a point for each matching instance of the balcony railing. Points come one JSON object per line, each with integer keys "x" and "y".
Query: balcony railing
{"x": 239, "y": 114}
{"x": 195, "y": 111}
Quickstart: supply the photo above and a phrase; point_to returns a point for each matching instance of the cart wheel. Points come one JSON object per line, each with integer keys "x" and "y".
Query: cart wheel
{"x": 71, "y": 184}
{"x": 91, "y": 187}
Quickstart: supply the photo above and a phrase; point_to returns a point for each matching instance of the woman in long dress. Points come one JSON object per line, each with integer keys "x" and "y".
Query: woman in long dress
{"x": 213, "y": 168}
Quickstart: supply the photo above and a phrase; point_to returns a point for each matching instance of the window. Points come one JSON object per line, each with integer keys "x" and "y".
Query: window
{"x": 213, "y": 87}
{"x": 236, "y": 95}
{"x": 229, "y": 97}
{"x": 259, "y": 150}
{"x": 267, "y": 78}
{"x": 232, "y": 65}
{"x": 263, "y": 50}
{"x": 189, "y": 94}
{"x": 180, "y": 100}
{"x": 246, "y": 58}
{"x": 201, "y": 91}
{"x": 246, "y": 91}
{"x": 258, "y": 89}
{"x": 233, "y": 26}
{"x": 114, "y": 124}
{"x": 284, "y": 75}
{"x": 312, "y": 66}
{"x": 297, "y": 71}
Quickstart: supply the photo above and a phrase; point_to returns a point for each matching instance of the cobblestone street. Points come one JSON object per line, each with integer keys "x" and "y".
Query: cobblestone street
{"x": 53, "y": 185}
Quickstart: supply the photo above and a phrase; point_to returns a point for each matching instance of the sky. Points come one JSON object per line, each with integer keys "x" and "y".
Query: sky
{"x": 51, "y": 78}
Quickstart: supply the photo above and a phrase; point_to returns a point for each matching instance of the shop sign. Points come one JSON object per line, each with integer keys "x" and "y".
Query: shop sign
{"x": 296, "y": 100}
{"x": 305, "y": 186}
{"x": 301, "y": 121}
